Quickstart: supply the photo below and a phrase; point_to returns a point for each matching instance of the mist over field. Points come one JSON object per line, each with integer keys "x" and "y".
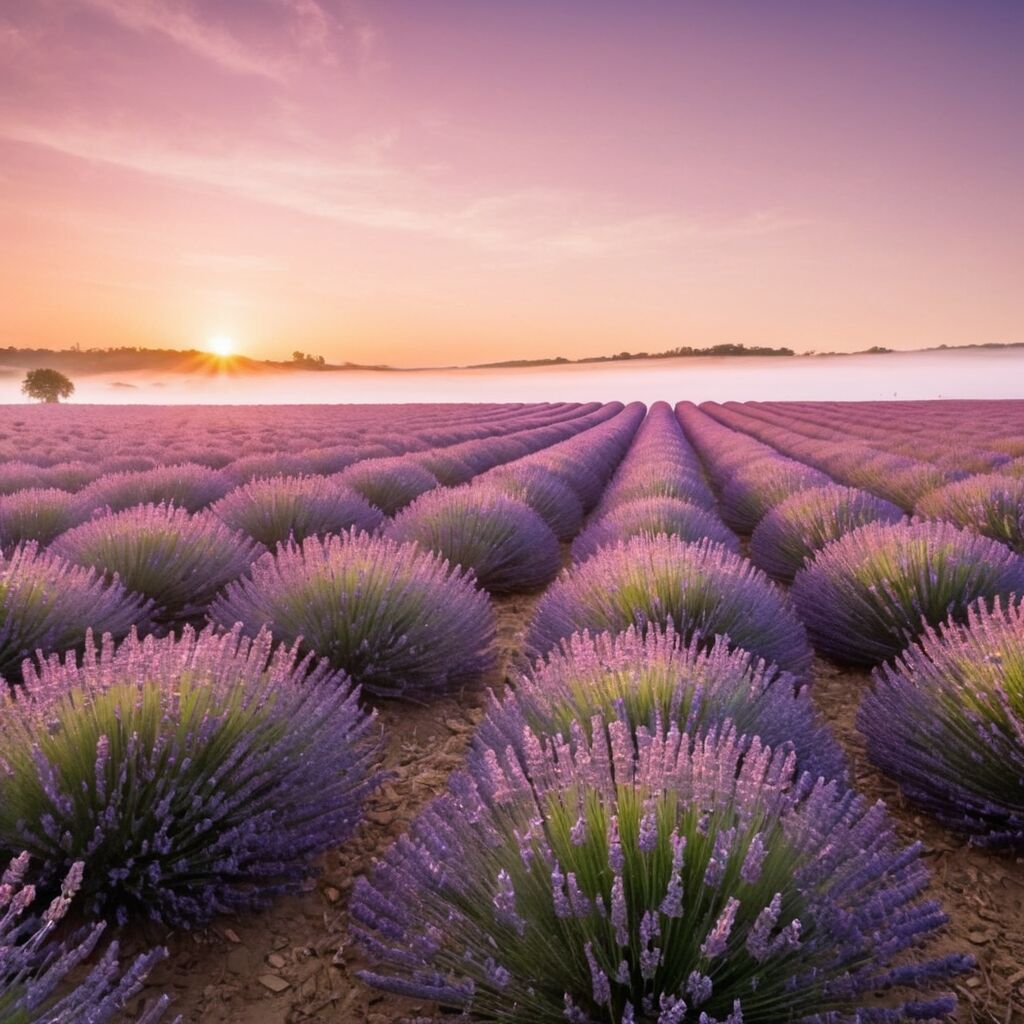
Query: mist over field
{"x": 995, "y": 373}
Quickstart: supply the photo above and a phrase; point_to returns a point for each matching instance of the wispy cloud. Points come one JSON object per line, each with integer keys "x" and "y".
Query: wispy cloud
{"x": 202, "y": 38}
{"x": 366, "y": 190}
{"x": 306, "y": 30}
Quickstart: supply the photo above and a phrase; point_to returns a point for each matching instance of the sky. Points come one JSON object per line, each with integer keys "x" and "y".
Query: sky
{"x": 430, "y": 182}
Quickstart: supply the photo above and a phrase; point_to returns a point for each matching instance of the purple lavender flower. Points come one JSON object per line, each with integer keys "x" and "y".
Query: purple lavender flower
{"x": 868, "y": 595}
{"x": 390, "y": 484}
{"x": 177, "y": 559}
{"x": 268, "y": 464}
{"x": 946, "y": 720}
{"x": 39, "y": 514}
{"x": 648, "y": 678}
{"x": 501, "y": 540}
{"x": 547, "y": 493}
{"x": 19, "y": 476}
{"x": 34, "y": 967}
{"x": 989, "y": 504}
{"x": 659, "y": 464}
{"x": 703, "y": 590}
{"x": 445, "y": 465}
{"x": 800, "y": 526}
{"x": 47, "y": 604}
{"x": 272, "y": 510}
{"x": 396, "y": 619}
{"x": 756, "y": 487}
{"x": 192, "y": 776}
{"x": 187, "y": 485}
{"x": 649, "y": 517}
{"x": 834, "y": 914}
{"x": 588, "y": 460}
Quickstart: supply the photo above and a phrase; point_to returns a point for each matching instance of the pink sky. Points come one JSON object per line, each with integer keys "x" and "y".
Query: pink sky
{"x": 431, "y": 182}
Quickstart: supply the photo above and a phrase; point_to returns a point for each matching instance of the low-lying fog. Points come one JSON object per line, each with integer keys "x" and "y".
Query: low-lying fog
{"x": 984, "y": 373}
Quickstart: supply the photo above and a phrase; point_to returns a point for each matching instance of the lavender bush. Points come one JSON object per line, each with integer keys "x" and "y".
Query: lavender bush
{"x": 654, "y": 678}
{"x": 38, "y": 513}
{"x": 703, "y": 589}
{"x": 506, "y": 545}
{"x": 17, "y": 476}
{"x": 178, "y": 560}
{"x": 657, "y": 477}
{"x": 755, "y": 488}
{"x": 547, "y": 493}
{"x": 946, "y": 720}
{"x": 396, "y": 619}
{"x": 801, "y": 525}
{"x": 34, "y": 966}
{"x": 447, "y": 468}
{"x": 663, "y": 881}
{"x": 390, "y": 484}
{"x": 650, "y": 517}
{"x": 990, "y": 504}
{"x": 193, "y": 776}
{"x": 252, "y": 467}
{"x": 48, "y": 605}
{"x": 868, "y": 595}
{"x": 187, "y": 485}
{"x": 272, "y": 510}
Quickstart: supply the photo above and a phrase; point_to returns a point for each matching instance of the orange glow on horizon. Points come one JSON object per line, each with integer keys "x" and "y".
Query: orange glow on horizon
{"x": 368, "y": 183}
{"x": 222, "y": 345}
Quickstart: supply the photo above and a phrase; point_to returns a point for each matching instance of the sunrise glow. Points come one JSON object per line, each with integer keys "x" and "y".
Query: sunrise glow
{"x": 380, "y": 182}
{"x": 221, "y": 345}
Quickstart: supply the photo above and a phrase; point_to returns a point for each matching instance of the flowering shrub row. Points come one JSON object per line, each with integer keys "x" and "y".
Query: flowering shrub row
{"x": 870, "y": 594}
{"x": 397, "y": 620}
{"x": 192, "y": 776}
{"x": 946, "y": 720}
{"x": 500, "y": 539}
{"x": 703, "y": 590}
{"x": 648, "y": 875}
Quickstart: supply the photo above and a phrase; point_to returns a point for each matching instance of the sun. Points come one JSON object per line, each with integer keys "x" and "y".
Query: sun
{"x": 221, "y": 345}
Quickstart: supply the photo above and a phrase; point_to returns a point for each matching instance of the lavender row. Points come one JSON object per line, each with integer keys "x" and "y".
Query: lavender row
{"x": 161, "y": 566}
{"x": 292, "y": 443}
{"x": 658, "y": 488}
{"x": 40, "y": 513}
{"x": 502, "y": 526}
{"x": 652, "y": 820}
{"x": 617, "y": 849}
{"x": 922, "y": 601}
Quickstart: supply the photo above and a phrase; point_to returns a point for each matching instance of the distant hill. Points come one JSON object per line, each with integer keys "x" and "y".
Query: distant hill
{"x": 73, "y": 361}
{"x": 685, "y": 351}
{"x": 163, "y": 360}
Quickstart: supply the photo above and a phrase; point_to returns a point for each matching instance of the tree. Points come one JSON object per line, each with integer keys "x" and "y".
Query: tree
{"x": 47, "y": 385}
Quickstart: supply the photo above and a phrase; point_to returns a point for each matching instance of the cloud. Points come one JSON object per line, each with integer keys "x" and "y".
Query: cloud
{"x": 367, "y": 188}
{"x": 306, "y": 24}
{"x": 305, "y": 30}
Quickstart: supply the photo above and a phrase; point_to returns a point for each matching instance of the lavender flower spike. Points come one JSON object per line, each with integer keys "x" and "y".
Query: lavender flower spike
{"x": 34, "y": 967}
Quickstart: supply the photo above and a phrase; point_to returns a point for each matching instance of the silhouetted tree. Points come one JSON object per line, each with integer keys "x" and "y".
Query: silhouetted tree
{"x": 47, "y": 385}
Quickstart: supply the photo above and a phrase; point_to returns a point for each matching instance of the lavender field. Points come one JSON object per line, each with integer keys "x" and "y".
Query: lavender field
{"x": 521, "y": 713}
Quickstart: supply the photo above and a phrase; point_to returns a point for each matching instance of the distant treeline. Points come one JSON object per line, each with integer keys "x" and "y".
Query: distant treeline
{"x": 167, "y": 360}
{"x": 191, "y": 360}
{"x": 682, "y": 351}
{"x": 110, "y": 360}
